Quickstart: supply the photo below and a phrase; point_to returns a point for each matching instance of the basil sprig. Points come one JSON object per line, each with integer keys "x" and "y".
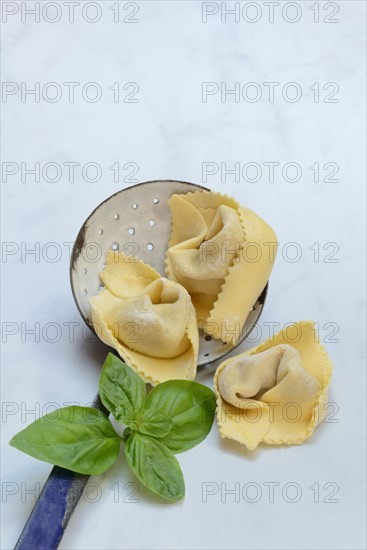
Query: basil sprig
{"x": 174, "y": 417}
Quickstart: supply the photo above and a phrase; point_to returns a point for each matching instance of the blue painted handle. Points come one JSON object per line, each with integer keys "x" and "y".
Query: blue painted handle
{"x": 53, "y": 509}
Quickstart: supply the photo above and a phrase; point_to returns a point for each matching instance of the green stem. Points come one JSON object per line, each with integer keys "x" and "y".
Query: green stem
{"x": 126, "y": 434}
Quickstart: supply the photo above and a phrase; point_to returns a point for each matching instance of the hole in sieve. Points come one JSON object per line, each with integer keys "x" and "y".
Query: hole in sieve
{"x": 117, "y": 216}
{"x": 84, "y": 271}
{"x": 206, "y": 354}
{"x": 208, "y": 338}
{"x": 135, "y": 205}
{"x": 101, "y": 287}
{"x": 115, "y": 246}
{"x": 100, "y": 232}
{"x": 155, "y": 201}
{"x": 150, "y": 246}
{"x": 151, "y": 223}
{"x": 85, "y": 291}
{"x": 131, "y": 231}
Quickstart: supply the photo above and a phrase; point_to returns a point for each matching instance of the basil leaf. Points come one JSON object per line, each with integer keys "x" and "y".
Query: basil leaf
{"x": 155, "y": 466}
{"x": 191, "y": 407}
{"x": 151, "y": 422}
{"x": 122, "y": 391}
{"x": 81, "y": 439}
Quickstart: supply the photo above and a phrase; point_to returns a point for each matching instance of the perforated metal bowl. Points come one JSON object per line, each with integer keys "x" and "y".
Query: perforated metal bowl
{"x": 137, "y": 221}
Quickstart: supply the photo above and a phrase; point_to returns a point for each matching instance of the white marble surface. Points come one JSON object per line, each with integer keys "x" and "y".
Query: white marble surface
{"x": 169, "y": 133}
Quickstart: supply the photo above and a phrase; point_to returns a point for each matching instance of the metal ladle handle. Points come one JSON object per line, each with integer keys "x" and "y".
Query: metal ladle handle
{"x": 55, "y": 505}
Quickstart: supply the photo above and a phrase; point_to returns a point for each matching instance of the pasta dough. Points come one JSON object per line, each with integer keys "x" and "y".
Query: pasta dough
{"x": 223, "y": 255}
{"x": 276, "y": 392}
{"x": 148, "y": 319}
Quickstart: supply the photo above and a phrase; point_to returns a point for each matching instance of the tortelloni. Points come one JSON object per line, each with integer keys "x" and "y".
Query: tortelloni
{"x": 148, "y": 319}
{"x": 275, "y": 393}
{"x": 223, "y": 255}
